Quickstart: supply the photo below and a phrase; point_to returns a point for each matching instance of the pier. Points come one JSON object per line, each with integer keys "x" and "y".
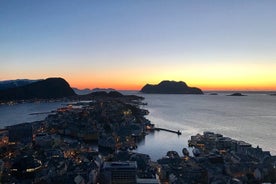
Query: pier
{"x": 168, "y": 130}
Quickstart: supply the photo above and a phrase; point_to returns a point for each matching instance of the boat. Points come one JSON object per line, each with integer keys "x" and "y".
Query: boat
{"x": 172, "y": 154}
{"x": 196, "y": 152}
{"x": 185, "y": 152}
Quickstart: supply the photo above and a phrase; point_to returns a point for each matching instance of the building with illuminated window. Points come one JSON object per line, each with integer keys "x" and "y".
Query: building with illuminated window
{"x": 119, "y": 172}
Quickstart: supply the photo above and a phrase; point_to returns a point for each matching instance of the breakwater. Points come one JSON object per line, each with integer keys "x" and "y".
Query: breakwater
{"x": 168, "y": 130}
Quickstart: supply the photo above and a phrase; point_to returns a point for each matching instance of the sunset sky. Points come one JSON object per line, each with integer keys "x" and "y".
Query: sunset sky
{"x": 124, "y": 44}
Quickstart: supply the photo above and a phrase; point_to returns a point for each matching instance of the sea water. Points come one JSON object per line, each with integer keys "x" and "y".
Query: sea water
{"x": 26, "y": 112}
{"x": 251, "y": 118}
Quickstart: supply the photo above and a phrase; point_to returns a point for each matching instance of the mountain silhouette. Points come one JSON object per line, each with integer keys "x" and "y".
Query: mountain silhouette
{"x": 44, "y": 89}
{"x": 170, "y": 87}
{"x": 15, "y": 83}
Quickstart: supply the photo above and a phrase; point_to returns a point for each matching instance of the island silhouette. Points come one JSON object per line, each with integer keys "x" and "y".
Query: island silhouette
{"x": 170, "y": 87}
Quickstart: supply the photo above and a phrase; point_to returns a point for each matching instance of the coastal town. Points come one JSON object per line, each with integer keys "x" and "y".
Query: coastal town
{"x": 94, "y": 140}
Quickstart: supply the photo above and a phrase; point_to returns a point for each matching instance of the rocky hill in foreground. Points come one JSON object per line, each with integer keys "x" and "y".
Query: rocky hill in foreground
{"x": 170, "y": 87}
{"x": 44, "y": 89}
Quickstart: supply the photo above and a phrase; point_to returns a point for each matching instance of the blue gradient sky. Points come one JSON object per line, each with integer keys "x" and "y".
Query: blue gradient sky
{"x": 125, "y": 44}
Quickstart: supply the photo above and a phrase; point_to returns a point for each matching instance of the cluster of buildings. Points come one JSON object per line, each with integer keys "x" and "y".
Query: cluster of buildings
{"x": 95, "y": 143}
{"x": 112, "y": 124}
{"x": 61, "y": 148}
{"x": 218, "y": 159}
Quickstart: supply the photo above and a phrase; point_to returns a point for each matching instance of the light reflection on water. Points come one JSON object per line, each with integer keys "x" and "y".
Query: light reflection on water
{"x": 158, "y": 143}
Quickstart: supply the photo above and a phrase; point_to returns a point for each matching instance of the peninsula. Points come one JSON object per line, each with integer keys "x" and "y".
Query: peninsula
{"x": 170, "y": 87}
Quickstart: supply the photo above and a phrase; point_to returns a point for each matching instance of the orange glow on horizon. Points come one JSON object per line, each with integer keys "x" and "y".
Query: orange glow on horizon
{"x": 242, "y": 76}
{"x": 205, "y": 87}
{"x": 104, "y": 84}
{"x": 238, "y": 88}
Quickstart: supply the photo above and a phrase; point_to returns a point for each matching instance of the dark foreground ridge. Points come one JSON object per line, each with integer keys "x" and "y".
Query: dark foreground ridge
{"x": 170, "y": 87}
{"x": 51, "y": 88}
